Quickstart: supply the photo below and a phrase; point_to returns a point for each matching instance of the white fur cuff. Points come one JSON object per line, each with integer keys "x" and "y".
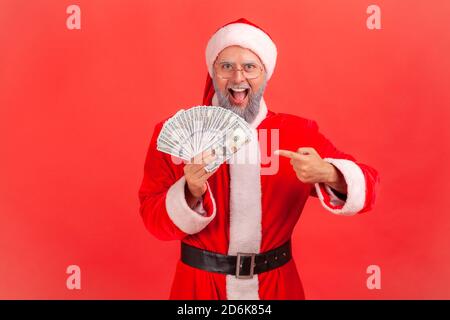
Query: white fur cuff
{"x": 356, "y": 188}
{"x": 188, "y": 220}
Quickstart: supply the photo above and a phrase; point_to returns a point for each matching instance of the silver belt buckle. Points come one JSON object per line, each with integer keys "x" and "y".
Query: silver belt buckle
{"x": 238, "y": 264}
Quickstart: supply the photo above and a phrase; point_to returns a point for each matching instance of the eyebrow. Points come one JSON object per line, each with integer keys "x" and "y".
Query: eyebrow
{"x": 245, "y": 62}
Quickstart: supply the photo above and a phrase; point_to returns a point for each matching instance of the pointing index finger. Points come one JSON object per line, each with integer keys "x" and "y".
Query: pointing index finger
{"x": 287, "y": 154}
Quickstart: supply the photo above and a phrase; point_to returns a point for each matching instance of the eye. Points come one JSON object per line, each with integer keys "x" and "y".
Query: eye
{"x": 227, "y": 66}
{"x": 250, "y": 67}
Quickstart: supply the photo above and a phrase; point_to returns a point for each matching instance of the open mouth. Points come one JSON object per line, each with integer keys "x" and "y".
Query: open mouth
{"x": 238, "y": 96}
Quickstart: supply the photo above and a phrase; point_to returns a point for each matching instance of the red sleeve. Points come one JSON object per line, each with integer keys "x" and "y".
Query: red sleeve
{"x": 361, "y": 179}
{"x": 163, "y": 206}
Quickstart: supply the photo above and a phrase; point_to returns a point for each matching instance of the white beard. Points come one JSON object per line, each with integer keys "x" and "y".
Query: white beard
{"x": 248, "y": 113}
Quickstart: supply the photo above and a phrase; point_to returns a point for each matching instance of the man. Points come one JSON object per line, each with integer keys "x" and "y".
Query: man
{"x": 235, "y": 223}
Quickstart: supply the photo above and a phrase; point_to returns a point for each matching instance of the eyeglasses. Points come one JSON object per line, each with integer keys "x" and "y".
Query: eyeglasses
{"x": 226, "y": 70}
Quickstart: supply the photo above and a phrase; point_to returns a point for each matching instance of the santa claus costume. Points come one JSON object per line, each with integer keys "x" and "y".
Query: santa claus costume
{"x": 243, "y": 210}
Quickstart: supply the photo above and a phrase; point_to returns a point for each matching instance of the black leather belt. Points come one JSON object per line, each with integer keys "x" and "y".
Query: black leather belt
{"x": 243, "y": 265}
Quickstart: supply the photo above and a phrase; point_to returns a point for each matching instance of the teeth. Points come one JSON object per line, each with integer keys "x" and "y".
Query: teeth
{"x": 238, "y": 90}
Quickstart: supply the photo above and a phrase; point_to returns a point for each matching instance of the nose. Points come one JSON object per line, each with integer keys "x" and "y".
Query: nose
{"x": 238, "y": 77}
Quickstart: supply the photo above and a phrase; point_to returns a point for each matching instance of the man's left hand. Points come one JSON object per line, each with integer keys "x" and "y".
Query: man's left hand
{"x": 309, "y": 166}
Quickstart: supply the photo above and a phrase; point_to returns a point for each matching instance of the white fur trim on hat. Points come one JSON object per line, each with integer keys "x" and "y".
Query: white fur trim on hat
{"x": 246, "y": 36}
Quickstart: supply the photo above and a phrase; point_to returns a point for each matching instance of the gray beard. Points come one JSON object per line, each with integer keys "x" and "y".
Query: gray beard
{"x": 248, "y": 113}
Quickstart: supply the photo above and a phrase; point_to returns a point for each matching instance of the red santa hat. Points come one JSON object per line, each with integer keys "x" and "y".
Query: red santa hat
{"x": 241, "y": 33}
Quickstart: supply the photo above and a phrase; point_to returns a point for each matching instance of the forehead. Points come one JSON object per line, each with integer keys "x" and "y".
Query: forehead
{"x": 236, "y": 53}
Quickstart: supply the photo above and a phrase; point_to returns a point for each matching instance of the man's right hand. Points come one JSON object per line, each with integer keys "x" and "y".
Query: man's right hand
{"x": 196, "y": 175}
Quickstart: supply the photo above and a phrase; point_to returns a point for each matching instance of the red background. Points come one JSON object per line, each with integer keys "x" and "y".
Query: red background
{"x": 78, "y": 107}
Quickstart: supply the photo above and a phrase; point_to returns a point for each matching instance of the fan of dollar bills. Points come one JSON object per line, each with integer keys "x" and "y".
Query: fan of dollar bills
{"x": 198, "y": 129}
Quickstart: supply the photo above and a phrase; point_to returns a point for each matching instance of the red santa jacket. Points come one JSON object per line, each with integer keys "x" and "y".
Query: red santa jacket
{"x": 248, "y": 206}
